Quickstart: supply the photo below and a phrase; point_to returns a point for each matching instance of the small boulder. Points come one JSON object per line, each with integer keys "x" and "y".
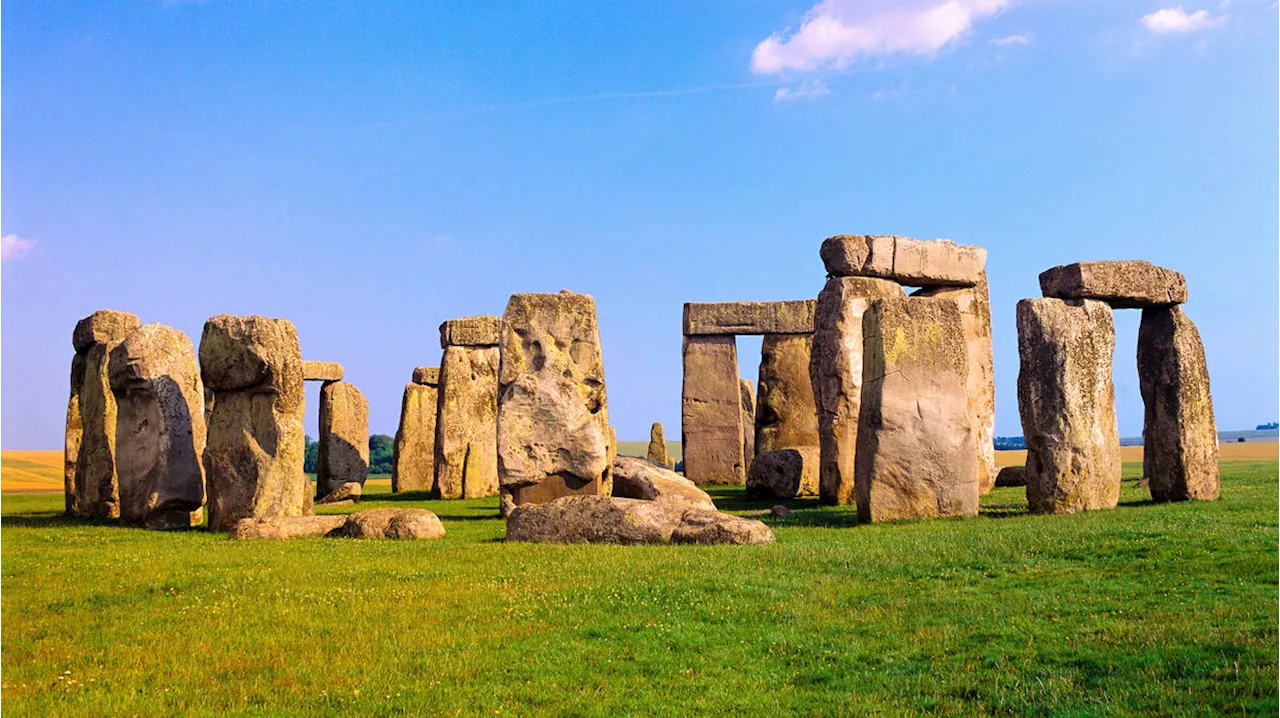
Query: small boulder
{"x": 712, "y": 527}
{"x": 287, "y": 527}
{"x": 784, "y": 474}
{"x": 393, "y": 524}
{"x": 348, "y": 492}
{"x": 639, "y": 479}
{"x": 781, "y": 512}
{"x": 1012, "y": 476}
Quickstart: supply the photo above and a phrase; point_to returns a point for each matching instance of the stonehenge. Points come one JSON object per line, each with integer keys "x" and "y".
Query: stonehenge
{"x": 1122, "y": 284}
{"x": 635, "y": 478}
{"x": 95, "y": 491}
{"x": 609, "y": 519}
{"x": 748, "y": 392}
{"x": 711, "y": 426}
{"x": 786, "y": 416}
{"x": 784, "y": 473}
{"x": 414, "y": 452}
{"x": 657, "y": 452}
{"x": 466, "y": 443}
{"x": 344, "y": 437}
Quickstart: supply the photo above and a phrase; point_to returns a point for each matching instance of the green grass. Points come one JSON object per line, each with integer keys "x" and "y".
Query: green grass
{"x": 1168, "y": 609}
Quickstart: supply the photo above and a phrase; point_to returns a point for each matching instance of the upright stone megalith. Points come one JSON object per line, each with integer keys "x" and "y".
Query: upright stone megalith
{"x": 657, "y": 452}
{"x": 916, "y": 454}
{"x": 554, "y": 437}
{"x": 1067, "y": 403}
{"x": 344, "y": 437}
{"x": 97, "y": 491}
{"x": 414, "y": 454}
{"x": 748, "y": 391}
{"x": 1179, "y": 434}
{"x": 835, "y": 371}
{"x": 711, "y": 428}
{"x": 466, "y": 446}
{"x": 786, "y": 417}
{"x": 253, "y": 460}
{"x": 74, "y": 434}
{"x": 160, "y": 428}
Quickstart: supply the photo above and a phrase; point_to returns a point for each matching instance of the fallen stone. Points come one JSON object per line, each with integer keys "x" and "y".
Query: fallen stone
{"x": 349, "y": 492}
{"x": 1067, "y": 403}
{"x": 784, "y": 474}
{"x": 607, "y": 519}
{"x": 657, "y": 452}
{"x": 640, "y": 479}
{"x": 748, "y": 393}
{"x": 321, "y": 371}
{"x": 1012, "y": 476}
{"x": 786, "y": 416}
{"x": 733, "y": 318}
{"x": 481, "y": 331}
{"x": 392, "y": 524}
{"x": 466, "y": 446}
{"x": 1124, "y": 285}
{"x": 413, "y": 458}
{"x": 344, "y": 437}
{"x": 428, "y": 375}
{"x": 699, "y": 526}
{"x": 903, "y": 259}
{"x": 288, "y": 527}
{"x": 711, "y": 412}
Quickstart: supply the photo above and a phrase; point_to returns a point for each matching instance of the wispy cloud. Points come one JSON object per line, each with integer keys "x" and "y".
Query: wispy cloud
{"x": 1177, "y": 21}
{"x": 1008, "y": 40}
{"x": 804, "y": 91}
{"x": 14, "y": 247}
{"x": 837, "y": 33}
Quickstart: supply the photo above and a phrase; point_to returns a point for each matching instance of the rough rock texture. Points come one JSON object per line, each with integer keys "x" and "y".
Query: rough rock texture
{"x": 748, "y": 392}
{"x": 160, "y": 429}
{"x": 711, "y": 427}
{"x": 903, "y": 259}
{"x": 348, "y": 493}
{"x": 344, "y": 437}
{"x": 253, "y": 461}
{"x": 657, "y": 452}
{"x": 392, "y": 524}
{"x": 481, "y": 331}
{"x": 1179, "y": 434}
{"x": 786, "y": 416}
{"x": 607, "y": 519}
{"x": 105, "y": 326}
{"x": 916, "y": 456}
{"x": 71, "y": 453}
{"x": 429, "y": 375}
{"x": 784, "y": 474}
{"x": 467, "y": 423}
{"x": 322, "y": 371}
{"x": 1067, "y": 404}
{"x": 835, "y": 372}
{"x": 553, "y": 418}
{"x": 1123, "y": 285}
{"x": 413, "y": 461}
{"x": 975, "y": 315}
{"x": 640, "y": 479}
{"x": 288, "y": 527}
{"x": 731, "y": 318}
{"x": 1012, "y": 476}
{"x": 94, "y": 481}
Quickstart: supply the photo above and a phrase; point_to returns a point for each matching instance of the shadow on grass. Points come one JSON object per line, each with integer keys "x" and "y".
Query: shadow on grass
{"x": 50, "y": 519}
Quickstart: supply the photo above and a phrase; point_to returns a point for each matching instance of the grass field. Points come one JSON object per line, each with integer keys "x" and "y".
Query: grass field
{"x": 1168, "y": 609}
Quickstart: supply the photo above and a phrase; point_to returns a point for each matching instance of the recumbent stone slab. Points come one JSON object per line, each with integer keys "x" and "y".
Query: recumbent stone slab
{"x": 635, "y": 478}
{"x": 608, "y": 519}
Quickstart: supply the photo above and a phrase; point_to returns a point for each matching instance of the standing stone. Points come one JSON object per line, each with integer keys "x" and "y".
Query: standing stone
{"x": 1179, "y": 434}
{"x": 344, "y": 437}
{"x": 916, "y": 455}
{"x": 467, "y": 424}
{"x": 96, "y": 487}
{"x": 160, "y": 429}
{"x": 253, "y": 460}
{"x": 711, "y": 428}
{"x": 554, "y": 437}
{"x": 658, "y": 446}
{"x": 975, "y": 315}
{"x": 835, "y": 371}
{"x": 748, "y": 392}
{"x": 786, "y": 416}
{"x": 74, "y": 435}
{"x": 414, "y": 454}
{"x": 1067, "y": 403}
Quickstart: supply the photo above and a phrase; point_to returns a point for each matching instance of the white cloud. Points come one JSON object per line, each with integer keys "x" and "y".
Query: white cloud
{"x": 14, "y": 247}
{"x": 806, "y": 91}
{"x": 1011, "y": 40}
{"x": 837, "y": 33}
{"x": 1176, "y": 21}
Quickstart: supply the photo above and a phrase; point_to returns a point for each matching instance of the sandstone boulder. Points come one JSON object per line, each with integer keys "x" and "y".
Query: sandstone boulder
{"x": 1067, "y": 404}
{"x": 288, "y": 527}
{"x": 784, "y": 473}
{"x": 96, "y": 487}
{"x": 786, "y": 415}
{"x": 732, "y": 318}
{"x": 657, "y": 452}
{"x": 466, "y": 445}
{"x": 322, "y": 371}
{"x": 640, "y": 479}
{"x": 1012, "y": 476}
{"x": 414, "y": 453}
{"x": 481, "y": 331}
{"x": 748, "y": 393}
{"x": 392, "y": 524}
{"x": 344, "y": 437}
{"x": 1123, "y": 285}
{"x": 429, "y": 375}
{"x": 607, "y": 519}
{"x": 349, "y": 492}
{"x": 903, "y": 259}
{"x": 699, "y": 526}
{"x": 711, "y": 412}
{"x": 105, "y": 326}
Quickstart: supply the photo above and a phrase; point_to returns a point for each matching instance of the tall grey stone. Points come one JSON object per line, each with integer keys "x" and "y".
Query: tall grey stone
{"x": 344, "y": 437}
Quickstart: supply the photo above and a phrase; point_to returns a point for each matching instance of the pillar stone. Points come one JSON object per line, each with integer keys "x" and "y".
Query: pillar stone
{"x": 711, "y": 430}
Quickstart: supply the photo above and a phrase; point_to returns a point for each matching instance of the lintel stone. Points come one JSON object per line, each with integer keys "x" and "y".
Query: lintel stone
{"x": 1131, "y": 284}
{"x": 735, "y": 318}
{"x": 322, "y": 371}
{"x": 480, "y": 331}
{"x": 914, "y": 262}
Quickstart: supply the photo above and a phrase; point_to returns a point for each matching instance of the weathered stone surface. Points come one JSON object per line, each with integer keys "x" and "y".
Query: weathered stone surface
{"x": 1123, "y": 285}
{"x": 975, "y": 316}
{"x": 1067, "y": 404}
{"x": 640, "y": 479}
{"x": 349, "y": 492}
{"x": 553, "y": 417}
{"x": 784, "y": 473}
{"x": 657, "y": 452}
{"x": 481, "y": 331}
{"x": 414, "y": 454}
{"x": 835, "y": 372}
{"x": 467, "y": 424}
{"x": 428, "y": 375}
{"x": 288, "y": 527}
{"x": 607, "y": 519}
{"x": 392, "y": 524}
{"x": 786, "y": 415}
{"x": 105, "y": 326}
{"x": 748, "y": 392}
{"x": 322, "y": 371}
{"x": 96, "y": 487}
{"x": 730, "y": 318}
{"x": 253, "y": 460}
{"x": 903, "y": 259}
{"x": 160, "y": 429}
{"x": 781, "y": 512}
{"x": 916, "y": 457}
{"x": 344, "y": 437}
{"x": 73, "y": 435}
{"x": 1179, "y": 433}
{"x": 711, "y": 428}
{"x": 1012, "y": 476}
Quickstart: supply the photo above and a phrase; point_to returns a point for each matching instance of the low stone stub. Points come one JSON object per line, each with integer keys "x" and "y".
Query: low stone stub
{"x": 1131, "y": 284}
{"x": 481, "y": 331}
{"x": 937, "y": 262}
{"x": 426, "y": 375}
{"x": 789, "y": 317}
{"x": 322, "y": 371}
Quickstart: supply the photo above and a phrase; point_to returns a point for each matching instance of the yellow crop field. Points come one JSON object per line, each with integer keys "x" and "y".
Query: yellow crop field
{"x": 1249, "y": 450}
{"x": 30, "y": 471}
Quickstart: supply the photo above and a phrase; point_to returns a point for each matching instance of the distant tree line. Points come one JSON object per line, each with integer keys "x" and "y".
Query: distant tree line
{"x": 381, "y": 448}
{"x": 1269, "y": 426}
{"x": 1010, "y": 443}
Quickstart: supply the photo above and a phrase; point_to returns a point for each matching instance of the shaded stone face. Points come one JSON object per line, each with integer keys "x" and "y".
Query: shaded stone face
{"x": 711, "y": 412}
{"x": 1067, "y": 404}
{"x": 466, "y": 445}
{"x": 835, "y": 372}
{"x": 160, "y": 427}
{"x": 344, "y": 437}
{"x": 640, "y": 479}
{"x": 105, "y": 326}
{"x": 480, "y": 331}
{"x": 657, "y": 452}
{"x": 916, "y": 456}
{"x": 786, "y": 416}
{"x": 903, "y": 259}
{"x": 413, "y": 461}
{"x": 1179, "y": 433}
{"x": 253, "y": 460}
{"x": 322, "y": 371}
{"x": 733, "y": 318}
{"x": 748, "y": 393}
{"x": 96, "y": 487}
{"x": 784, "y": 474}
{"x": 71, "y": 453}
{"x": 1012, "y": 476}
{"x": 553, "y": 418}
{"x": 1123, "y": 285}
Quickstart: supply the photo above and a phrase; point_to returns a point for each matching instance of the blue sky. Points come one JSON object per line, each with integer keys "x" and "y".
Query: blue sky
{"x": 369, "y": 170}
